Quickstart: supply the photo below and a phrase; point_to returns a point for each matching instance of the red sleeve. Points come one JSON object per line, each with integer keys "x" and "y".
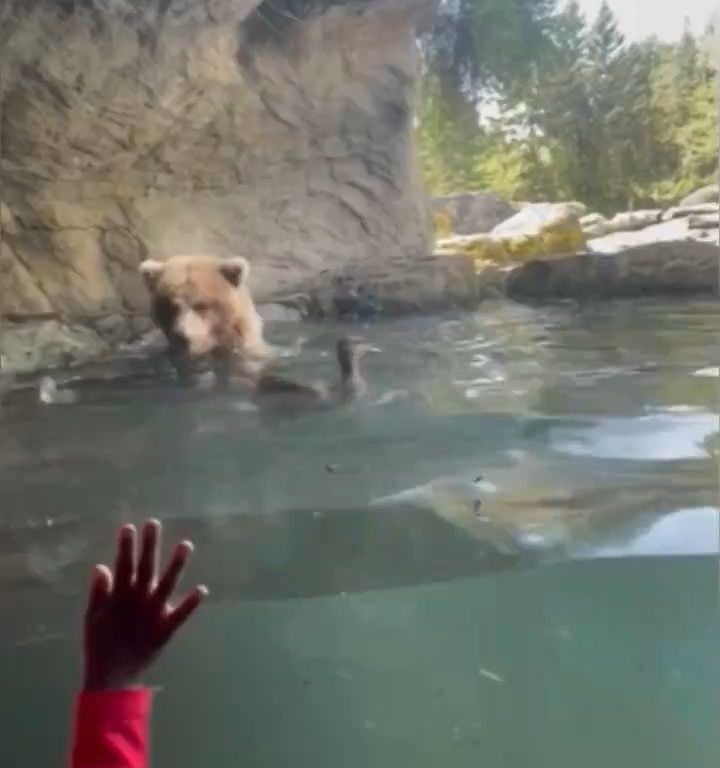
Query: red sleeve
{"x": 110, "y": 729}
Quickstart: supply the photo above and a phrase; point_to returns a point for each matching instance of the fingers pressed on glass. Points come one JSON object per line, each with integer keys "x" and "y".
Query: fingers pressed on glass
{"x": 169, "y": 580}
{"x": 100, "y": 589}
{"x": 149, "y": 551}
{"x": 184, "y": 610}
{"x": 125, "y": 560}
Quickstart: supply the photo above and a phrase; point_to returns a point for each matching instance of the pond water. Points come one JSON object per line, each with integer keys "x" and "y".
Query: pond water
{"x": 365, "y": 609}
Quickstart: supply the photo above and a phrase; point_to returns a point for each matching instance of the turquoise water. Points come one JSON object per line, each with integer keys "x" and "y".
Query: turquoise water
{"x": 341, "y": 631}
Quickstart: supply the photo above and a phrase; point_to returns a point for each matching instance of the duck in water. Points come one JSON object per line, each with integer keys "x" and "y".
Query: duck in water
{"x": 349, "y": 350}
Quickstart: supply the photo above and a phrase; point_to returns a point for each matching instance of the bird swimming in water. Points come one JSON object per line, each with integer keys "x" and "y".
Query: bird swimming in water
{"x": 349, "y": 350}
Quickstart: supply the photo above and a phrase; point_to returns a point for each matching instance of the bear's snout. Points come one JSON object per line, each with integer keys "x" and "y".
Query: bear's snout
{"x": 194, "y": 333}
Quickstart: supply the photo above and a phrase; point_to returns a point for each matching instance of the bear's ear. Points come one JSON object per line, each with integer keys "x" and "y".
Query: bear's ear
{"x": 151, "y": 271}
{"x": 235, "y": 270}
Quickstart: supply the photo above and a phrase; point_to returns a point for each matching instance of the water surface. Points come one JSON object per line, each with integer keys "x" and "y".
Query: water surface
{"x": 406, "y": 633}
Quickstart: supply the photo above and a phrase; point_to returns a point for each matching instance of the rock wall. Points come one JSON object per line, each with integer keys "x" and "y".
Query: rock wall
{"x": 131, "y": 129}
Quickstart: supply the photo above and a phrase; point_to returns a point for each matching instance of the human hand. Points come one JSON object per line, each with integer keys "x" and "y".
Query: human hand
{"x": 128, "y": 620}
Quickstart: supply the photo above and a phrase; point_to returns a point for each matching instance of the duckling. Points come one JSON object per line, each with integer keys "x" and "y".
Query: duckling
{"x": 349, "y": 351}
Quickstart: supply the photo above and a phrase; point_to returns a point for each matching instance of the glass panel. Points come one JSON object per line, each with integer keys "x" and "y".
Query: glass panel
{"x": 494, "y": 540}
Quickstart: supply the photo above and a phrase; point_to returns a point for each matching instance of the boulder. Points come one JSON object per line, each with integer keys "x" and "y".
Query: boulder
{"x": 703, "y": 221}
{"x": 370, "y": 288}
{"x": 542, "y": 229}
{"x": 683, "y": 211}
{"x": 534, "y": 216}
{"x": 550, "y": 231}
{"x": 669, "y": 268}
{"x": 470, "y": 213}
{"x": 672, "y": 230}
{"x": 481, "y": 247}
{"x": 594, "y": 225}
{"x": 708, "y": 194}
{"x": 630, "y": 221}
{"x": 35, "y": 345}
{"x": 146, "y": 129}
{"x": 573, "y": 206}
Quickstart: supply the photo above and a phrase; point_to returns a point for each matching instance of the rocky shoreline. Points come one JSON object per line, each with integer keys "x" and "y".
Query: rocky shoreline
{"x": 670, "y": 255}
{"x": 638, "y": 254}
{"x": 128, "y": 135}
{"x": 673, "y": 268}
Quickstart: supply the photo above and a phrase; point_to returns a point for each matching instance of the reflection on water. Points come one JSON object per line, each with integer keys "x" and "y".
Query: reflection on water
{"x": 660, "y": 437}
{"x": 493, "y": 449}
{"x": 688, "y": 532}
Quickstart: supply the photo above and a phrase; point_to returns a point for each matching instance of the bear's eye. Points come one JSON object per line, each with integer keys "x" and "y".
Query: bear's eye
{"x": 165, "y": 311}
{"x": 201, "y": 307}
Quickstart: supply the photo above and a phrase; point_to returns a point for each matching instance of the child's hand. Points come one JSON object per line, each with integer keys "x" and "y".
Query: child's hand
{"x": 128, "y": 619}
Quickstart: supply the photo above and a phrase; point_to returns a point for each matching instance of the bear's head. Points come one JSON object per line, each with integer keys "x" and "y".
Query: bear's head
{"x": 204, "y": 307}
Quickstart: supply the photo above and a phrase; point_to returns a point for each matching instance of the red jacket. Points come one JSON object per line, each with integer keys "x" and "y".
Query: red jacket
{"x": 110, "y": 729}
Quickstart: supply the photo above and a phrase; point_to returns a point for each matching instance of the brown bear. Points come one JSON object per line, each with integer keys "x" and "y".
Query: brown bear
{"x": 204, "y": 307}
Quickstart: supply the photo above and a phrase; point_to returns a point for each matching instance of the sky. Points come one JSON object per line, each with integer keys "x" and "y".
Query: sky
{"x": 664, "y": 18}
